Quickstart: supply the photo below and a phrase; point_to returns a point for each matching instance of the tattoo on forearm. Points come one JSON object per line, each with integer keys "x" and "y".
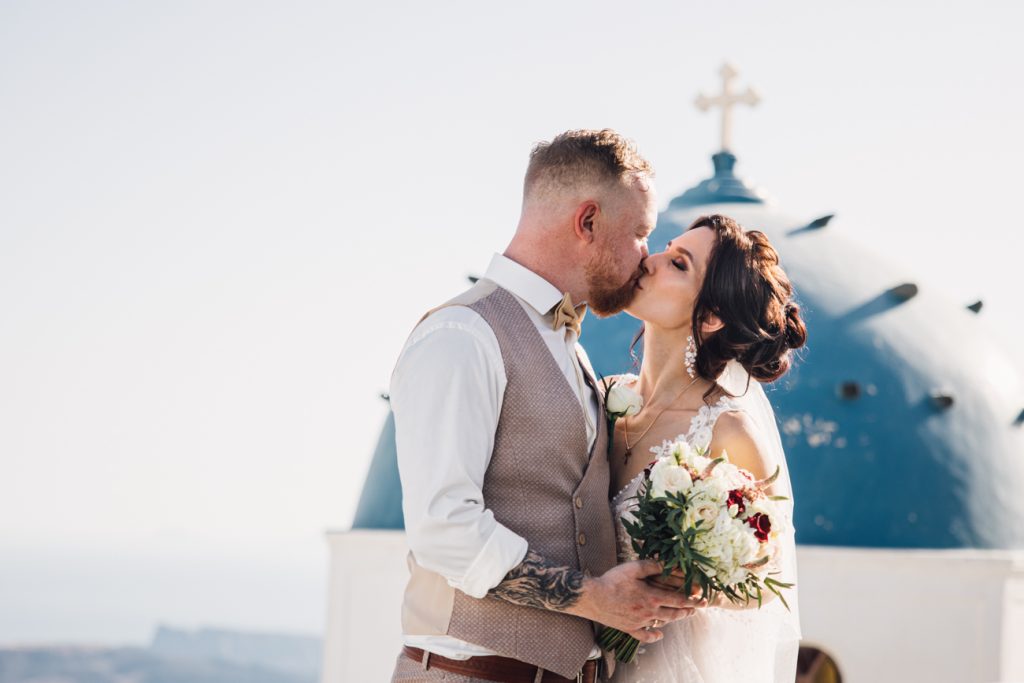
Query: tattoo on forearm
{"x": 535, "y": 582}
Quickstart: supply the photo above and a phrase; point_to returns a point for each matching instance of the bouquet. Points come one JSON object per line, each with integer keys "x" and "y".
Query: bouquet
{"x": 709, "y": 522}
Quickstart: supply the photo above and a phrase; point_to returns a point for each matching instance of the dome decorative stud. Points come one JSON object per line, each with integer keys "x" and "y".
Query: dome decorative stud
{"x": 904, "y": 292}
{"x": 942, "y": 399}
{"x": 849, "y": 390}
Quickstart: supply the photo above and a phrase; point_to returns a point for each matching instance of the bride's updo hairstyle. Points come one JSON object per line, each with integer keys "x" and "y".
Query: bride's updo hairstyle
{"x": 745, "y": 286}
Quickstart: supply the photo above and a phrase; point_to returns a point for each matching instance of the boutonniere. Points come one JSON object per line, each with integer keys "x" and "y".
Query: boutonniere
{"x": 619, "y": 401}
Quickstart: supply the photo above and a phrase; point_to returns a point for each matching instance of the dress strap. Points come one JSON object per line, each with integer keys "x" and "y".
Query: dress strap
{"x": 702, "y": 424}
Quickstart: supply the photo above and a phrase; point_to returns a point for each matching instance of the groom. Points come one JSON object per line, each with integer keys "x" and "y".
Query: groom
{"x": 502, "y": 440}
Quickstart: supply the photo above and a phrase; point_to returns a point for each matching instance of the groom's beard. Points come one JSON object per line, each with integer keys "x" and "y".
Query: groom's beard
{"x": 607, "y": 295}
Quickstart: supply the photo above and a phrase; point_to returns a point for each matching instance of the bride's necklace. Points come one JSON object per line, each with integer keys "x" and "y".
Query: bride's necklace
{"x": 625, "y": 424}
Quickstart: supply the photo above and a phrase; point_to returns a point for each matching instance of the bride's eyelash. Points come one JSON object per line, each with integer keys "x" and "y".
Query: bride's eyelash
{"x": 678, "y": 263}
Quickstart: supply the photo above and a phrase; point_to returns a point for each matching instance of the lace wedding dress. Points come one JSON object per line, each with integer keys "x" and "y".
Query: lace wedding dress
{"x": 717, "y": 645}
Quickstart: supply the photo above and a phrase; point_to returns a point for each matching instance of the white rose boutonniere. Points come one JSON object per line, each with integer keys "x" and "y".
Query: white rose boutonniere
{"x": 620, "y": 400}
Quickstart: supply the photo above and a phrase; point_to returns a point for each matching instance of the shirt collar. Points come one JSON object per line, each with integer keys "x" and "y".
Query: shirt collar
{"x": 540, "y": 294}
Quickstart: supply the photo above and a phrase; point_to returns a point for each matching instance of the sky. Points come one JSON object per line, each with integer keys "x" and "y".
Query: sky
{"x": 219, "y": 221}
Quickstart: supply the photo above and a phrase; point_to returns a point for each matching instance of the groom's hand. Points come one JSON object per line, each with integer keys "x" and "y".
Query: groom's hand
{"x": 623, "y": 598}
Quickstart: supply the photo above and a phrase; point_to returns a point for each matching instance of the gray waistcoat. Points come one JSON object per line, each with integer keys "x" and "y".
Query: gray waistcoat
{"x": 542, "y": 483}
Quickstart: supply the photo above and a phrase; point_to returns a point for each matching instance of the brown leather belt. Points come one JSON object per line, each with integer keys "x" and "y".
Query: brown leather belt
{"x": 503, "y": 669}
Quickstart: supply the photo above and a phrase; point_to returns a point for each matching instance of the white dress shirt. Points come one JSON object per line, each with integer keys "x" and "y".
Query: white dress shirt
{"x": 446, "y": 394}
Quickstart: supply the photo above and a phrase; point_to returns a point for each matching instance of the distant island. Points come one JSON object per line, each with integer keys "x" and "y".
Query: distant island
{"x": 207, "y": 655}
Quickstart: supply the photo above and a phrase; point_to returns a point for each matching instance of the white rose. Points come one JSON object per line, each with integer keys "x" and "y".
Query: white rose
{"x": 715, "y": 489}
{"x": 658, "y": 472}
{"x": 730, "y": 475}
{"x": 623, "y": 401}
{"x": 707, "y": 512}
{"x": 667, "y": 477}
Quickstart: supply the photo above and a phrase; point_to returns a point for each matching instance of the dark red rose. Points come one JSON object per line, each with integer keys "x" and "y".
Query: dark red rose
{"x": 736, "y": 498}
{"x": 761, "y": 524}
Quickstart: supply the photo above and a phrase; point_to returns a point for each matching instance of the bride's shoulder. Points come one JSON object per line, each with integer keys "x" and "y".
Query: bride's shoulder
{"x": 736, "y": 433}
{"x": 718, "y": 403}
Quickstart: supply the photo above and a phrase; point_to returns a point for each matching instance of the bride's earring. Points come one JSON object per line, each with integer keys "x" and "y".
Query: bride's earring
{"x": 691, "y": 356}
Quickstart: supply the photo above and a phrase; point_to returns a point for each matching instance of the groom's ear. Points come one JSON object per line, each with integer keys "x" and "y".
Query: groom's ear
{"x": 583, "y": 220}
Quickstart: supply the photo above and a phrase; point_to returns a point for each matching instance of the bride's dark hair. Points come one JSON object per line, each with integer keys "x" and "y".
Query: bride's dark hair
{"x": 745, "y": 286}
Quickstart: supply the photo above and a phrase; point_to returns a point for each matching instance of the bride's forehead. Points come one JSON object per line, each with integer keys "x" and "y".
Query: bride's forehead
{"x": 697, "y": 239}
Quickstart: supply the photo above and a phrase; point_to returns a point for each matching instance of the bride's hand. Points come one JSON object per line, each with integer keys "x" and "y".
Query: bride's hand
{"x": 677, "y": 580}
{"x": 674, "y": 582}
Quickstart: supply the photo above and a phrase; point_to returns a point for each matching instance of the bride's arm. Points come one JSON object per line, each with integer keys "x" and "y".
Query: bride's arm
{"x": 740, "y": 439}
{"x": 736, "y": 434}
{"x": 676, "y": 580}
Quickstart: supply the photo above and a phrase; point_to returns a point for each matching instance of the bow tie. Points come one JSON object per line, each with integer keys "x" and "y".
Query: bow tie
{"x": 568, "y": 315}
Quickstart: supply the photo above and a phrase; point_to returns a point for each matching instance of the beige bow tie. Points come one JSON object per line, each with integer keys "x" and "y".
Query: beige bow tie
{"x": 568, "y": 315}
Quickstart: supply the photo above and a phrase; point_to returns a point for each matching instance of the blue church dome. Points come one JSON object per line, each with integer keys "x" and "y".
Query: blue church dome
{"x": 901, "y": 419}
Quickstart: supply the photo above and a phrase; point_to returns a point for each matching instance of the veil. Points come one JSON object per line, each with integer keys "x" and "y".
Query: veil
{"x": 772, "y": 623}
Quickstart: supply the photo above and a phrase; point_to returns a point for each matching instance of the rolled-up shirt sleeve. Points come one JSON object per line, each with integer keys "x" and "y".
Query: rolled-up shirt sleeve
{"x": 446, "y": 393}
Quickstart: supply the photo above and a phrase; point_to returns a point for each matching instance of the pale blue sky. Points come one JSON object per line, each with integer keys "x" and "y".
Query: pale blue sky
{"x": 218, "y": 221}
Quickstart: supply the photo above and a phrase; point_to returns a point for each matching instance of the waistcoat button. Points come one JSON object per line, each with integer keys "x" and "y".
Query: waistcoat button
{"x": 583, "y": 539}
{"x": 579, "y": 501}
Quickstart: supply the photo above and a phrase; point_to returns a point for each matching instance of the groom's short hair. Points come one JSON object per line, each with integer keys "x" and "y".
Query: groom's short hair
{"x": 581, "y": 156}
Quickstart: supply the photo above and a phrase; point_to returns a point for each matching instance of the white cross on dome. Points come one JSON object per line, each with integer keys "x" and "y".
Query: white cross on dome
{"x": 727, "y": 100}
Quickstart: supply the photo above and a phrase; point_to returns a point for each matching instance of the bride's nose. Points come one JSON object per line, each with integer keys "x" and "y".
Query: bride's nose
{"x": 651, "y": 263}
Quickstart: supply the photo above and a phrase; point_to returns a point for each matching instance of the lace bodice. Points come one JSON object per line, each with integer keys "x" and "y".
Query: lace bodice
{"x": 698, "y": 436}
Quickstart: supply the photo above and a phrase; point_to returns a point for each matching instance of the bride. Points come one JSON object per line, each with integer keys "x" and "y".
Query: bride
{"x": 719, "y": 318}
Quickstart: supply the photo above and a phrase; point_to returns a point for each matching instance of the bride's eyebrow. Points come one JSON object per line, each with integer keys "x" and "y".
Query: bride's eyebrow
{"x": 684, "y": 250}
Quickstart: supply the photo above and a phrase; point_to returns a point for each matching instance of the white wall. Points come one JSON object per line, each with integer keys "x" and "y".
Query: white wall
{"x": 364, "y": 595}
{"x": 942, "y": 616}
{"x": 915, "y": 615}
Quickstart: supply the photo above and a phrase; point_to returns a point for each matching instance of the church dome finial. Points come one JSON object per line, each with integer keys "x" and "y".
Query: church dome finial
{"x": 724, "y": 186}
{"x": 727, "y": 100}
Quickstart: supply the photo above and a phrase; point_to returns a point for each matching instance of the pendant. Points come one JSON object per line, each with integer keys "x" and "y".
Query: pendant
{"x": 629, "y": 452}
